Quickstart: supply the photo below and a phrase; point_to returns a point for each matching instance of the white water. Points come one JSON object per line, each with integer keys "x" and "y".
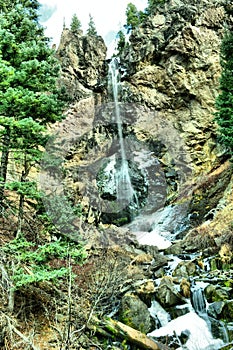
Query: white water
{"x": 156, "y": 229}
{"x": 200, "y": 337}
{"x": 153, "y": 238}
{"x": 195, "y": 323}
{"x": 159, "y": 314}
{"x": 198, "y": 298}
{"x": 125, "y": 191}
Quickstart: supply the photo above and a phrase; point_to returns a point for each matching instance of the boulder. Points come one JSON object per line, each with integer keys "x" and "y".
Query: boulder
{"x": 134, "y": 313}
{"x": 167, "y": 293}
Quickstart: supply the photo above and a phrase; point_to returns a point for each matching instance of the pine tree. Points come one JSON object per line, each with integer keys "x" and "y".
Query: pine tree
{"x": 91, "y": 27}
{"x": 133, "y": 17}
{"x": 122, "y": 43}
{"x": 75, "y": 25}
{"x": 29, "y": 99}
{"x": 224, "y": 102}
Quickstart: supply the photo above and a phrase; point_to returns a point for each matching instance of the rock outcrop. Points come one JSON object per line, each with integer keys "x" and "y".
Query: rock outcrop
{"x": 172, "y": 65}
{"x": 83, "y": 64}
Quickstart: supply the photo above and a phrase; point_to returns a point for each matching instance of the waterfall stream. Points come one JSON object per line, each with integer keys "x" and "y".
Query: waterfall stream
{"x": 125, "y": 190}
{"x": 160, "y": 228}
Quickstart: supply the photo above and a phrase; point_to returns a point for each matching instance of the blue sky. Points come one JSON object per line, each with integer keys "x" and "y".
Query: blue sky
{"x": 108, "y": 15}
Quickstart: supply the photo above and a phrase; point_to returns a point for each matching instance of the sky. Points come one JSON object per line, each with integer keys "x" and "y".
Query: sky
{"x": 108, "y": 15}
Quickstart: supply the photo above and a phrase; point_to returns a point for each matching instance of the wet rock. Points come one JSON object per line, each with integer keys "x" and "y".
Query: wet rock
{"x": 218, "y": 329}
{"x": 146, "y": 291}
{"x": 167, "y": 293}
{"x": 221, "y": 310}
{"x": 134, "y": 313}
{"x": 215, "y": 293}
{"x": 158, "y": 262}
{"x": 185, "y": 269}
{"x": 227, "y": 312}
{"x": 215, "y": 309}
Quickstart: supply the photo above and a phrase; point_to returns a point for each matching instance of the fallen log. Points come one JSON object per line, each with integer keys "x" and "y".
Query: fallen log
{"x": 132, "y": 335}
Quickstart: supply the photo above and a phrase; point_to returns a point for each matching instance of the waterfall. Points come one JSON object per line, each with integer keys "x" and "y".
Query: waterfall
{"x": 124, "y": 188}
{"x": 198, "y": 300}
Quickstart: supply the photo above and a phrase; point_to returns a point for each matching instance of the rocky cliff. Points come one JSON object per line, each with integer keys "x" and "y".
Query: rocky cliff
{"x": 170, "y": 74}
{"x": 83, "y": 63}
{"x": 181, "y": 261}
{"x": 173, "y": 66}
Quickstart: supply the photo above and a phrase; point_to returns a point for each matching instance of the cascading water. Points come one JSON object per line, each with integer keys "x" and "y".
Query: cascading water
{"x": 195, "y": 324}
{"x": 159, "y": 228}
{"x": 121, "y": 182}
{"x": 198, "y": 300}
{"x": 125, "y": 191}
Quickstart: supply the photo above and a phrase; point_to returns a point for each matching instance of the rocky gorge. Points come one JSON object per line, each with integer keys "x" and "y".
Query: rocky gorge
{"x": 176, "y": 244}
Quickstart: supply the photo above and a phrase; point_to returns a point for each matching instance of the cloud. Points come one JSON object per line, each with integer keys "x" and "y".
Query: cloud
{"x": 46, "y": 11}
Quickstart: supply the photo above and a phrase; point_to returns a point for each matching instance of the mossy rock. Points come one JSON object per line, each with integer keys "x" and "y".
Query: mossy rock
{"x": 227, "y": 312}
{"x": 134, "y": 313}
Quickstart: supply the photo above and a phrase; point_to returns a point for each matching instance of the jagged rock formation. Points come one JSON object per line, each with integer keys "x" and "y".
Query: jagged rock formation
{"x": 173, "y": 66}
{"x": 83, "y": 63}
{"x": 169, "y": 85}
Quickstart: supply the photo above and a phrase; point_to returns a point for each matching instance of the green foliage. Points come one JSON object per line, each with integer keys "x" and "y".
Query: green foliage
{"x": 75, "y": 25}
{"x": 121, "y": 44}
{"x": 28, "y": 189}
{"x": 38, "y": 274}
{"x": 29, "y": 99}
{"x": 29, "y": 252}
{"x": 91, "y": 27}
{"x": 34, "y": 263}
{"x": 133, "y": 17}
{"x": 224, "y": 102}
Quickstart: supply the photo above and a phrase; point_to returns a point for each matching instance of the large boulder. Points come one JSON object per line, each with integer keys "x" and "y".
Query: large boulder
{"x": 134, "y": 313}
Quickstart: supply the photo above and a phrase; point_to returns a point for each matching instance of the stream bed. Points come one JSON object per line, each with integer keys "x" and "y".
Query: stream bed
{"x": 183, "y": 321}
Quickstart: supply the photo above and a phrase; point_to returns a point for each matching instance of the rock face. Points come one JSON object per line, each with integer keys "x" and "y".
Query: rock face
{"x": 170, "y": 79}
{"x": 83, "y": 63}
{"x": 172, "y": 65}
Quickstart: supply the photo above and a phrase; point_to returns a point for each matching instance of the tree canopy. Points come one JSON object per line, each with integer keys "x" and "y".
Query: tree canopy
{"x": 91, "y": 30}
{"x": 29, "y": 99}
{"x": 75, "y": 24}
{"x": 224, "y": 102}
{"x": 133, "y": 17}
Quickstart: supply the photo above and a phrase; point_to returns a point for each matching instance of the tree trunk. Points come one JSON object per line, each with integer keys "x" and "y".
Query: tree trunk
{"x": 23, "y": 179}
{"x": 4, "y": 165}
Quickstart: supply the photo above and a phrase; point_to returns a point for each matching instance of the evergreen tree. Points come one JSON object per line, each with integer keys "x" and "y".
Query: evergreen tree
{"x": 133, "y": 17}
{"x": 121, "y": 41}
{"x": 75, "y": 24}
{"x": 224, "y": 102}
{"x": 28, "y": 97}
{"x": 91, "y": 27}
